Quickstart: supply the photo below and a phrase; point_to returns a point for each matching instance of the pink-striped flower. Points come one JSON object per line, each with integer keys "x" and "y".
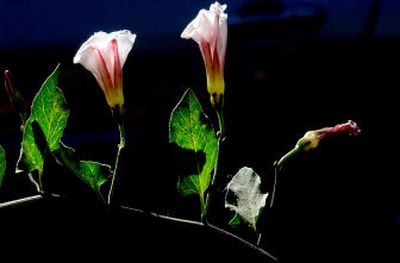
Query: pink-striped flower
{"x": 104, "y": 55}
{"x": 209, "y": 29}
{"x": 311, "y": 139}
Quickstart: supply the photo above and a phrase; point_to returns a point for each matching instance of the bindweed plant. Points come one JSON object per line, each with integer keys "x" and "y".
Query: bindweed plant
{"x": 190, "y": 129}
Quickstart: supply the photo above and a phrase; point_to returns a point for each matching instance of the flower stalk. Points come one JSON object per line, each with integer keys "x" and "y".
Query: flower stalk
{"x": 121, "y": 146}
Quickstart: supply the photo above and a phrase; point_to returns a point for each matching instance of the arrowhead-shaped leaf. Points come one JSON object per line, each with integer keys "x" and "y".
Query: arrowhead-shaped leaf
{"x": 43, "y": 132}
{"x": 190, "y": 129}
{"x": 2, "y": 164}
{"x": 49, "y": 111}
{"x": 248, "y": 200}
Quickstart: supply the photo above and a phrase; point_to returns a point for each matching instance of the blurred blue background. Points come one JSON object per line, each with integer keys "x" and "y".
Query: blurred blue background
{"x": 39, "y": 23}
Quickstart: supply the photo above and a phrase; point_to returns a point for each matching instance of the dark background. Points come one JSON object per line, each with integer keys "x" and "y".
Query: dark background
{"x": 292, "y": 66}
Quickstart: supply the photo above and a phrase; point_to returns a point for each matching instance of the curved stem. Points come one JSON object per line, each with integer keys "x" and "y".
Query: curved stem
{"x": 259, "y": 236}
{"x": 241, "y": 240}
{"x": 121, "y": 146}
{"x": 274, "y": 188}
{"x": 279, "y": 164}
{"x": 170, "y": 218}
{"x": 289, "y": 155}
{"x": 221, "y": 123}
{"x": 196, "y": 223}
{"x": 33, "y": 181}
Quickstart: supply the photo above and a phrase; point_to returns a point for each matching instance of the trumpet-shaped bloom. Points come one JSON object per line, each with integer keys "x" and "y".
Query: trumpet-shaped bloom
{"x": 311, "y": 139}
{"x": 104, "y": 55}
{"x": 209, "y": 29}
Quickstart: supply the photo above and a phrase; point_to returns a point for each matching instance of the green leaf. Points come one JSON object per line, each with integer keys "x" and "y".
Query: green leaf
{"x": 188, "y": 185}
{"x": 43, "y": 132}
{"x": 190, "y": 129}
{"x": 92, "y": 173}
{"x": 249, "y": 201}
{"x": 2, "y": 164}
{"x": 49, "y": 109}
{"x": 95, "y": 174}
{"x": 236, "y": 220}
{"x": 50, "y": 112}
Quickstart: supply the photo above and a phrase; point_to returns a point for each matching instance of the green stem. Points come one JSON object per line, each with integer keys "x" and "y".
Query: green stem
{"x": 274, "y": 188}
{"x": 36, "y": 184}
{"x": 220, "y": 136}
{"x": 221, "y": 124}
{"x": 203, "y": 208}
{"x": 41, "y": 182}
{"x": 298, "y": 148}
{"x": 259, "y": 236}
{"x": 279, "y": 164}
{"x": 121, "y": 146}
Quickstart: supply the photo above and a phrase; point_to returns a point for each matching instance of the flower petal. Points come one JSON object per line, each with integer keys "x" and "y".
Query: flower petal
{"x": 97, "y": 40}
{"x": 101, "y": 40}
{"x": 192, "y": 30}
{"x": 88, "y": 56}
{"x": 104, "y": 56}
{"x": 204, "y": 26}
{"x": 209, "y": 29}
{"x": 210, "y": 26}
{"x": 125, "y": 43}
{"x": 218, "y": 8}
{"x": 222, "y": 41}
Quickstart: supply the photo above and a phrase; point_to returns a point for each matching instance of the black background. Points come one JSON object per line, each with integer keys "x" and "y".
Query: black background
{"x": 338, "y": 202}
